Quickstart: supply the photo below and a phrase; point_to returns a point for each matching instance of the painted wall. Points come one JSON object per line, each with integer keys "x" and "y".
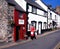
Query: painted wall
{"x": 58, "y": 21}
{"x": 33, "y": 17}
{"x": 40, "y": 12}
{"x": 49, "y": 19}
{"x": 53, "y": 15}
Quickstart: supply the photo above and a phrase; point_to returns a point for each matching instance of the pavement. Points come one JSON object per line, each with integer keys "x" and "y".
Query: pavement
{"x": 57, "y": 46}
{"x": 25, "y": 41}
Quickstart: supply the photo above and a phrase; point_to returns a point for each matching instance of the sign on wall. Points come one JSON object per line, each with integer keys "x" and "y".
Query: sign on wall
{"x": 21, "y": 21}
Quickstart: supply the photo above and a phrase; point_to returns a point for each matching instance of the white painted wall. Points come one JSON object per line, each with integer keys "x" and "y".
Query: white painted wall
{"x": 49, "y": 20}
{"x": 40, "y": 12}
{"x": 22, "y": 3}
{"x": 53, "y": 15}
{"x": 58, "y": 21}
{"x": 49, "y": 13}
{"x": 37, "y": 18}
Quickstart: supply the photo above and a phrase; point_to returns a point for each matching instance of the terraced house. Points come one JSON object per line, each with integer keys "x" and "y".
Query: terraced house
{"x": 16, "y": 17}
{"x": 52, "y": 19}
{"x": 37, "y": 16}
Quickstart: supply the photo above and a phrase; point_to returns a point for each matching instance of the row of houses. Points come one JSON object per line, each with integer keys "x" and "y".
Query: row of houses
{"x": 16, "y": 18}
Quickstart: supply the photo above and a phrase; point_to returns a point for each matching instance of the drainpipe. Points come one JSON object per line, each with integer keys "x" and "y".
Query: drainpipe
{"x": 47, "y": 18}
{"x": 27, "y": 17}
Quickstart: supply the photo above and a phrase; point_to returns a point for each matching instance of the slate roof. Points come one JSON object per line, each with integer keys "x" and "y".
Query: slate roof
{"x": 18, "y": 7}
{"x": 34, "y": 4}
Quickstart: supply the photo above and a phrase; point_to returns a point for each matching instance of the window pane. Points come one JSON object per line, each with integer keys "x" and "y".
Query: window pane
{"x": 20, "y": 15}
{"x": 29, "y": 8}
{"x": 34, "y": 10}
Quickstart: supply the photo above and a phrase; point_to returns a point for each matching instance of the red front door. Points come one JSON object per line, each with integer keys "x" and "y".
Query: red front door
{"x": 19, "y": 29}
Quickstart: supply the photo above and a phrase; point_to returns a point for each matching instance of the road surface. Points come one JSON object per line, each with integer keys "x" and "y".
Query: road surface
{"x": 45, "y": 42}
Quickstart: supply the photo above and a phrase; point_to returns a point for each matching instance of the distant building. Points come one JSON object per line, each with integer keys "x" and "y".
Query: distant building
{"x": 58, "y": 10}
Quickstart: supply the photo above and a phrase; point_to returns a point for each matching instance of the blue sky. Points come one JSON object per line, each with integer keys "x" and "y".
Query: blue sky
{"x": 54, "y": 3}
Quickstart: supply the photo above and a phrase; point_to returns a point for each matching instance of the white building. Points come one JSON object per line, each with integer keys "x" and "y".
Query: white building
{"x": 39, "y": 14}
{"x": 58, "y": 21}
{"x": 52, "y": 16}
{"x": 36, "y": 16}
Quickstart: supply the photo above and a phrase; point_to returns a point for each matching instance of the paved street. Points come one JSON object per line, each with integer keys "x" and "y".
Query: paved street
{"x": 45, "y": 42}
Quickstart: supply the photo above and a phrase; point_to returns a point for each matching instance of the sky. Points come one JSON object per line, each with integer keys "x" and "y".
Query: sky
{"x": 54, "y": 3}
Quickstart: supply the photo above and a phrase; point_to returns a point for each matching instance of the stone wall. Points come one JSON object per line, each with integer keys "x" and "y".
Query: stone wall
{"x": 5, "y": 17}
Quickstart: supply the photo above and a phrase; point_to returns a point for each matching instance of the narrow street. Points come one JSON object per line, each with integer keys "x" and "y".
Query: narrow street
{"x": 46, "y": 42}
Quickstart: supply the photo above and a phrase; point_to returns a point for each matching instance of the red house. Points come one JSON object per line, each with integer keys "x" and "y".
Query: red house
{"x": 20, "y": 21}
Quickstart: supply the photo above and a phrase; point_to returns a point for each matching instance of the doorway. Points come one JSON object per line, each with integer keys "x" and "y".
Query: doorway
{"x": 39, "y": 27}
{"x": 34, "y": 23}
{"x": 17, "y": 32}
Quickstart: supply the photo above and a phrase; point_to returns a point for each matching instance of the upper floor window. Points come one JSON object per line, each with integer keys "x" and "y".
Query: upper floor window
{"x": 20, "y": 15}
{"x": 45, "y": 14}
{"x": 55, "y": 17}
{"x": 29, "y": 8}
{"x": 34, "y": 10}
